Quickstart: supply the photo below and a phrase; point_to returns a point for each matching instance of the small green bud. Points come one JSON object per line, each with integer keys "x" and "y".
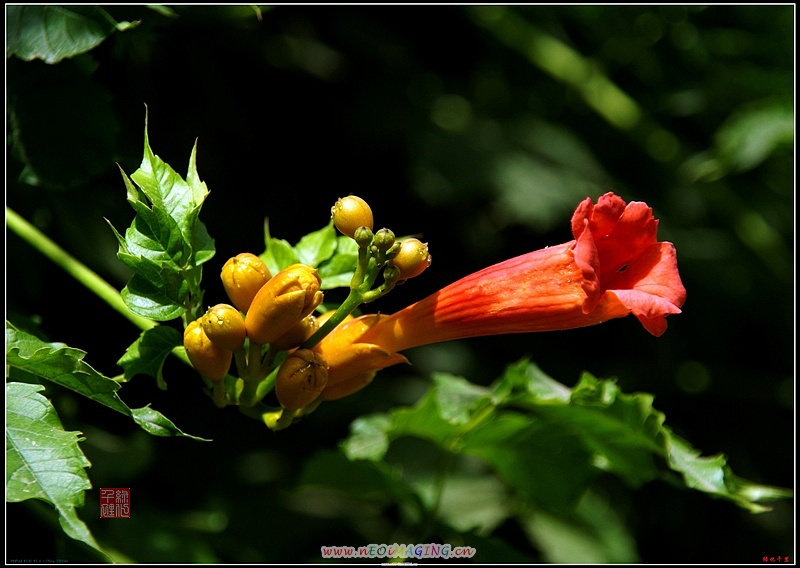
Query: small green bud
{"x": 393, "y": 250}
{"x": 363, "y": 236}
{"x": 384, "y": 239}
{"x": 391, "y": 274}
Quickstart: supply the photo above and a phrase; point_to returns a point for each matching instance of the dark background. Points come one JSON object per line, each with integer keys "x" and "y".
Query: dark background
{"x": 466, "y": 131}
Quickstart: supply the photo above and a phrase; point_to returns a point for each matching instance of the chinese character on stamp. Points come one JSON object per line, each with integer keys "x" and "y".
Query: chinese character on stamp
{"x": 115, "y": 502}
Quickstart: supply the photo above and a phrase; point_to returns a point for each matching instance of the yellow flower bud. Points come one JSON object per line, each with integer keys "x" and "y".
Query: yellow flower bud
{"x": 211, "y": 360}
{"x": 300, "y": 379}
{"x": 351, "y": 212}
{"x": 243, "y": 276}
{"x": 287, "y": 298}
{"x": 298, "y": 333}
{"x": 224, "y": 325}
{"x": 412, "y": 258}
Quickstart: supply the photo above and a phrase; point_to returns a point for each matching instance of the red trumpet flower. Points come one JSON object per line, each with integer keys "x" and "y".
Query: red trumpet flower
{"x": 614, "y": 267}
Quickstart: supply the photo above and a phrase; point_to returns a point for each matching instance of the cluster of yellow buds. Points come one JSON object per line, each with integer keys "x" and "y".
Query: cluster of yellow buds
{"x": 273, "y": 319}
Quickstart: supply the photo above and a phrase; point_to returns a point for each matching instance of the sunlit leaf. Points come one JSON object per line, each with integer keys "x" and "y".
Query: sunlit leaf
{"x": 317, "y": 247}
{"x": 155, "y": 235}
{"x": 713, "y": 475}
{"x": 155, "y": 292}
{"x": 166, "y": 243}
{"x": 278, "y": 253}
{"x": 147, "y": 354}
{"x": 43, "y": 461}
{"x": 28, "y": 356}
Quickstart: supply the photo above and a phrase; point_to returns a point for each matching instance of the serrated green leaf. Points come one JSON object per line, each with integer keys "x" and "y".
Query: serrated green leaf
{"x": 155, "y": 423}
{"x": 548, "y": 442}
{"x": 201, "y": 241}
{"x": 317, "y": 247}
{"x": 168, "y": 192}
{"x": 622, "y": 431}
{"x": 203, "y": 245}
{"x": 144, "y": 300}
{"x": 52, "y": 33}
{"x": 626, "y": 434}
{"x": 167, "y": 243}
{"x": 525, "y": 378}
{"x": 27, "y": 356}
{"x": 123, "y": 246}
{"x": 43, "y": 461}
{"x": 712, "y": 475}
{"x": 156, "y": 290}
{"x": 156, "y": 236}
{"x": 147, "y": 354}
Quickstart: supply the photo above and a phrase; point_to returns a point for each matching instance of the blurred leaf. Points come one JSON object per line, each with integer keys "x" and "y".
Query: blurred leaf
{"x": 478, "y": 504}
{"x": 52, "y": 33}
{"x": 592, "y": 534}
{"x": 368, "y": 438}
{"x": 546, "y": 446}
{"x": 43, "y": 461}
{"x": 750, "y": 136}
{"x": 61, "y": 124}
{"x": 542, "y": 461}
{"x": 354, "y": 482}
{"x": 622, "y": 431}
{"x": 455, "y": 398}
{"x": 147, "y": 354}
{"x": 337, "y": 271}
{"x": 28, "y": 356}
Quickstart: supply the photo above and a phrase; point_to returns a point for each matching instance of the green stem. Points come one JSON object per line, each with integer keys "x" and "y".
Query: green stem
{"x": 257, "y": 381}
{"x": 240, "y": 357}
{"x": 80, "y": 272}
{"x": 219, "y": 394}
{"x": 265, "y": 386}
{"x": 353, "y": 300}
{"x": 73, "y": 267}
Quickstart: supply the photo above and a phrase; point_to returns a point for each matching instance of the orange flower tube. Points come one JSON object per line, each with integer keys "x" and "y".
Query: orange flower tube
{"x": 614, "y": 267}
